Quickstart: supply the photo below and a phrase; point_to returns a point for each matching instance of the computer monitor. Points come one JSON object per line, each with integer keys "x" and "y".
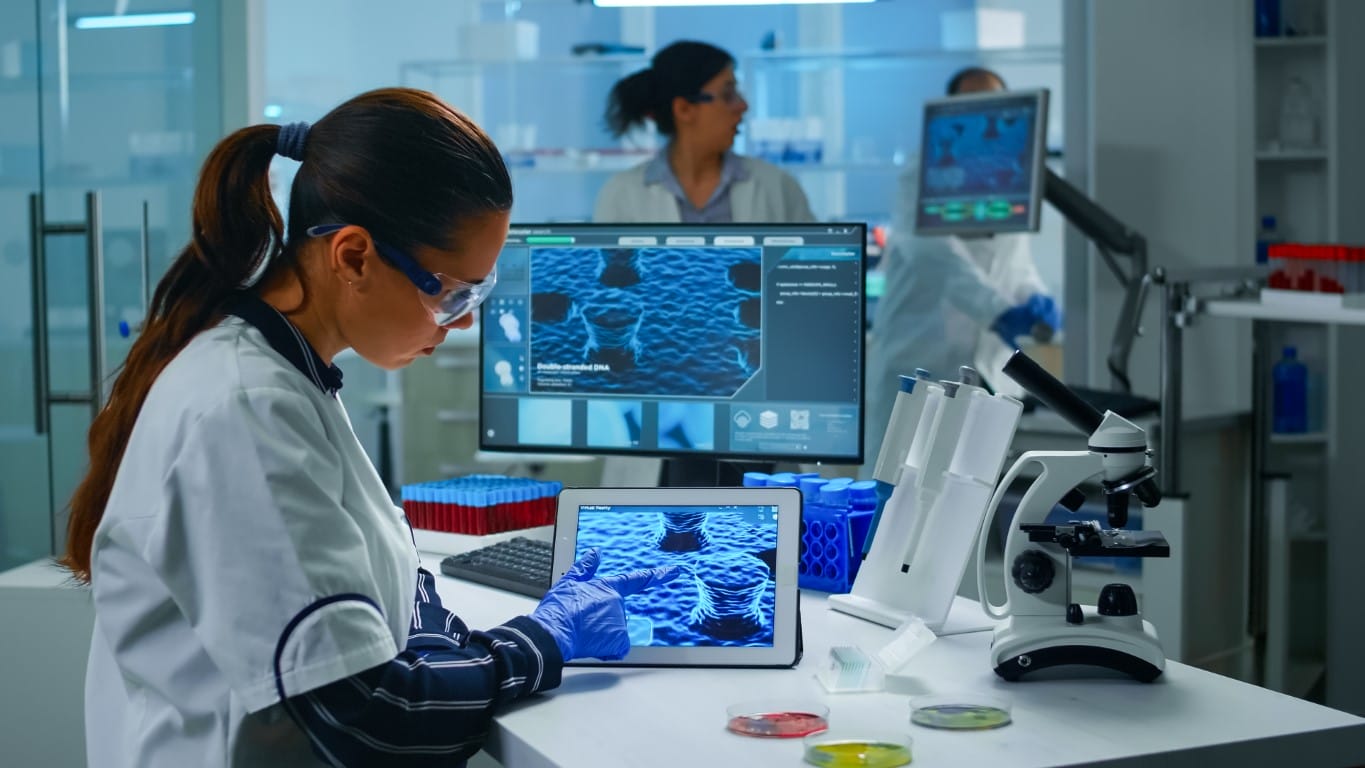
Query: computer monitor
{"x": 690, "y": 341}
{"x": 982, "y": 164}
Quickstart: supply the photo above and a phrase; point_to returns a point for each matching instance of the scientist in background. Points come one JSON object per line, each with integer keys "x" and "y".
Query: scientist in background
{"x": 949, "y": 301}
{"x": 690, "y": 94}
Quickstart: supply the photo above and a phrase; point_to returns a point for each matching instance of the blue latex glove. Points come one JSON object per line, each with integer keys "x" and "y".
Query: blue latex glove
{"x": 1040, "y": 314}
{"x": 587, "y": 616}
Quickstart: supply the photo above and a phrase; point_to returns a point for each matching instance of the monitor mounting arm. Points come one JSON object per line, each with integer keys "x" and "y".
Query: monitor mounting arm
{"x": 1110, "y": 236}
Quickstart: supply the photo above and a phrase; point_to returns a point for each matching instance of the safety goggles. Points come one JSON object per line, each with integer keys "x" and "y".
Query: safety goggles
{"x": 448, "y": 299}
{"x": 729, "y": 97}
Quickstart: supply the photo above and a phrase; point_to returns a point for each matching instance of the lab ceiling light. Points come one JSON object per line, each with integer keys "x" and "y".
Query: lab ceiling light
{"x": 129, "y": 20}
{"x": 694, "y": 3}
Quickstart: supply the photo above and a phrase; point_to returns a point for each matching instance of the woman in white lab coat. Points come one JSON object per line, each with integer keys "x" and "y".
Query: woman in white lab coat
{"x": 258, "y": 597}
{"x": 690, "y": 94}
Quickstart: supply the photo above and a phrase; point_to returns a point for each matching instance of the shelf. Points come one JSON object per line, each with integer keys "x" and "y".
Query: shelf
{"x": 1291, "y": 154}
{"x": 1305, "y": 438}
{"x": 1306, "y": 41}
{"x": 792, "y": 168}
{"x": 822, "y": 59}
{"x": 448, "y": 67}
{"x": 1256, "y": 310}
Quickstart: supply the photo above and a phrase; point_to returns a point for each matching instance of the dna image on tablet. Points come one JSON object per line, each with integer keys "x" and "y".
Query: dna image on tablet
{"x": 725, "y": 595}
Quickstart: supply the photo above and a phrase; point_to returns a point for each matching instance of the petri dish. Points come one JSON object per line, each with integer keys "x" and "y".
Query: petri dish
{"x": 857, "y": 749}
{"x": 965, "y": 711}
{"x": 776, "y": 719}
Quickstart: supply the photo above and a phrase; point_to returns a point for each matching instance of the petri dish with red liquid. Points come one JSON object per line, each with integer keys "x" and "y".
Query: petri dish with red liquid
{"x": 776, "y": 718}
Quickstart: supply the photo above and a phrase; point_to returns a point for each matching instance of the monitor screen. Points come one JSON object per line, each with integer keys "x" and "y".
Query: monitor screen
{"x": 716, "y": 341}
{"x": 981, "y": 165}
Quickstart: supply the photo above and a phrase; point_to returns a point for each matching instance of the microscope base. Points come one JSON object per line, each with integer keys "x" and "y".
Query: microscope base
{"x": 1127, "y": 644}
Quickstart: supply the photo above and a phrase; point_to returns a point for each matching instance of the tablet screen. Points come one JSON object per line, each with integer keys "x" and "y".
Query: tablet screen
{"x": 726, "y": 591}
{"x": 733, "y": 603}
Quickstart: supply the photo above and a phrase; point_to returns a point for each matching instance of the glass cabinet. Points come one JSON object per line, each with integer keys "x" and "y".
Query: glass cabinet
{"x": 107, "y": 119}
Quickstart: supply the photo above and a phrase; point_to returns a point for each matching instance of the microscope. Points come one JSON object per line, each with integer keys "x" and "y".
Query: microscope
{"x": 1042, "y": 628}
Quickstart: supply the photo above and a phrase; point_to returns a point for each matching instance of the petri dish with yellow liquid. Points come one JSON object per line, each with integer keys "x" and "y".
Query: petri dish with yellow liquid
{"x": 857, "y": 749}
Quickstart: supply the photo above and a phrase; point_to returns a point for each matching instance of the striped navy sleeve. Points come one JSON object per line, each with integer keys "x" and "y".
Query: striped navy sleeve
{"x": 431, "y": 705}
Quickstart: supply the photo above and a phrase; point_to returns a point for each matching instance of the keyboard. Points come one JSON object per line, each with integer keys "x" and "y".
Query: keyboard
{"x": 520, "y": 565}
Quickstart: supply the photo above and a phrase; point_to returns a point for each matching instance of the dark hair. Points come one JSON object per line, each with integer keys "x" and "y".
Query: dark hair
{"x": 960, "y": 78}
{"x": 397, "y": 161}
{"x": 681, "y": 69}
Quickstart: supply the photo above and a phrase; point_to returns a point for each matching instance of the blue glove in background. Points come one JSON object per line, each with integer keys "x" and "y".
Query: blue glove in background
{"x": 1021, "y": 320}
{"x": 587, "y": 616}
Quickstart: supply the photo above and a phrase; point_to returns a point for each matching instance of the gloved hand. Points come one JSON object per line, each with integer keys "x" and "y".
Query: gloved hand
{"x": 587, "y": 616}
{"x": 1040, "y": 314}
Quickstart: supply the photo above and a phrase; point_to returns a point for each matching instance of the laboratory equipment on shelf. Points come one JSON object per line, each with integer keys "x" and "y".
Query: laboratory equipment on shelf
{"x": 924, "y": 538}
{"x": 1042, "y": 627}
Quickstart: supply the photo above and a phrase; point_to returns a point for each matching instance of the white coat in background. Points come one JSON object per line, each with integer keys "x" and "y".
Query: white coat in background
{"x": 768, "y": 195}
{"x": 940, "y": 297}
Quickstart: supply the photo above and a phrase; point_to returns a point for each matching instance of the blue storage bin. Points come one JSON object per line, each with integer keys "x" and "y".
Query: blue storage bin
{"x": 829, "y": 557}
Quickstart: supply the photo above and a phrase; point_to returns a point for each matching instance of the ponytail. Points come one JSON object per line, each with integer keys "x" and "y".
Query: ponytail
{"x": 236, "y": 226}
{"x": 632, "y": 101}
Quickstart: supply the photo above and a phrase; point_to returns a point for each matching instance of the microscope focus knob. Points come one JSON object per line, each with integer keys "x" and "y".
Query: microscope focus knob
{"x": 1033, "y": 571}
{"x": 1117, "y": 600}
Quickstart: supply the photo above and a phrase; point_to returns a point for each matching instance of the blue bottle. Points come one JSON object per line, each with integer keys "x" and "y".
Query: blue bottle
{"x": 1265, "y": 237}
{"x": 1267, "y": 18}
{"x": 1290, "y": 411}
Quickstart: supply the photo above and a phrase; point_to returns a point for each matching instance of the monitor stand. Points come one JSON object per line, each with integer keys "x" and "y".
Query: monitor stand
{"x": 708, "y": 473}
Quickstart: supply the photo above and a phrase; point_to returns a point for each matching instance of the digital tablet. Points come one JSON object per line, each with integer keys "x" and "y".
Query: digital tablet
{"x": 735, "y": 602}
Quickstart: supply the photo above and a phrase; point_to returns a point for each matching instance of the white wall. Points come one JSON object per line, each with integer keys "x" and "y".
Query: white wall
{"x": 1170, "y": 157}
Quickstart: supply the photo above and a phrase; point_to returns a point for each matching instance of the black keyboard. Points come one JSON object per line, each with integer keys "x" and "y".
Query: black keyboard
{"x": 518, "y": 565}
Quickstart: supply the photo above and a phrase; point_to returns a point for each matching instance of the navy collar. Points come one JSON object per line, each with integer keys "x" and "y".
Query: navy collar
{"x": 284, "y": 338}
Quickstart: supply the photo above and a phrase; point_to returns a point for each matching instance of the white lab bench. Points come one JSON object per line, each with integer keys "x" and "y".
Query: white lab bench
{"x": 676, "y": 717}
{"x": 668, "y": 717}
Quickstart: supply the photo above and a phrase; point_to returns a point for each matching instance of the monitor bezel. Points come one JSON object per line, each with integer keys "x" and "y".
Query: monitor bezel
{"x": 1036, "y": 188}
{"x": 572, "y": 450}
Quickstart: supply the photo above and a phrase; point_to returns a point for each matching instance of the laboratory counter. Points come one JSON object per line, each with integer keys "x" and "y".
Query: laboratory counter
{"x": 676, "y": 717}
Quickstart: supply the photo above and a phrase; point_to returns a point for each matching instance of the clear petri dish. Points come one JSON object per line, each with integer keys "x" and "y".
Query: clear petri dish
{"x": 776, "y": 718}
{"x": 961, "y": 711}
{"x": 853, "y": 748}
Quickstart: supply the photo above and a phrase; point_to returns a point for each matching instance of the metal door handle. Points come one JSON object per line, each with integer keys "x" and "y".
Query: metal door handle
{"x": 39, "y": 286}
{"x": 93, "y": 230}
{"x": 94, "y": 254}
{"x": 146, "y": 261}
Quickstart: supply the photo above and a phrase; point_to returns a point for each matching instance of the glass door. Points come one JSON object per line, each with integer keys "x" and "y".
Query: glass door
{"x": 121, "y": 107}
{"x": 25, "y": 497}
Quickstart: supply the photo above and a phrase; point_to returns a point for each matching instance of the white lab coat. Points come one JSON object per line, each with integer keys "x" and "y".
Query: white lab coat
{"x": 941, "y": 296}
{"x": 768, "y": 194}
{"x": 243, "y": 499}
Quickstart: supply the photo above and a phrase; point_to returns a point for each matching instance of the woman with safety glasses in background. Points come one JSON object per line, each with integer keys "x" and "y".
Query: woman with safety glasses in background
{"x": 690, "y": 94}
{"x": 258, "y": 597}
